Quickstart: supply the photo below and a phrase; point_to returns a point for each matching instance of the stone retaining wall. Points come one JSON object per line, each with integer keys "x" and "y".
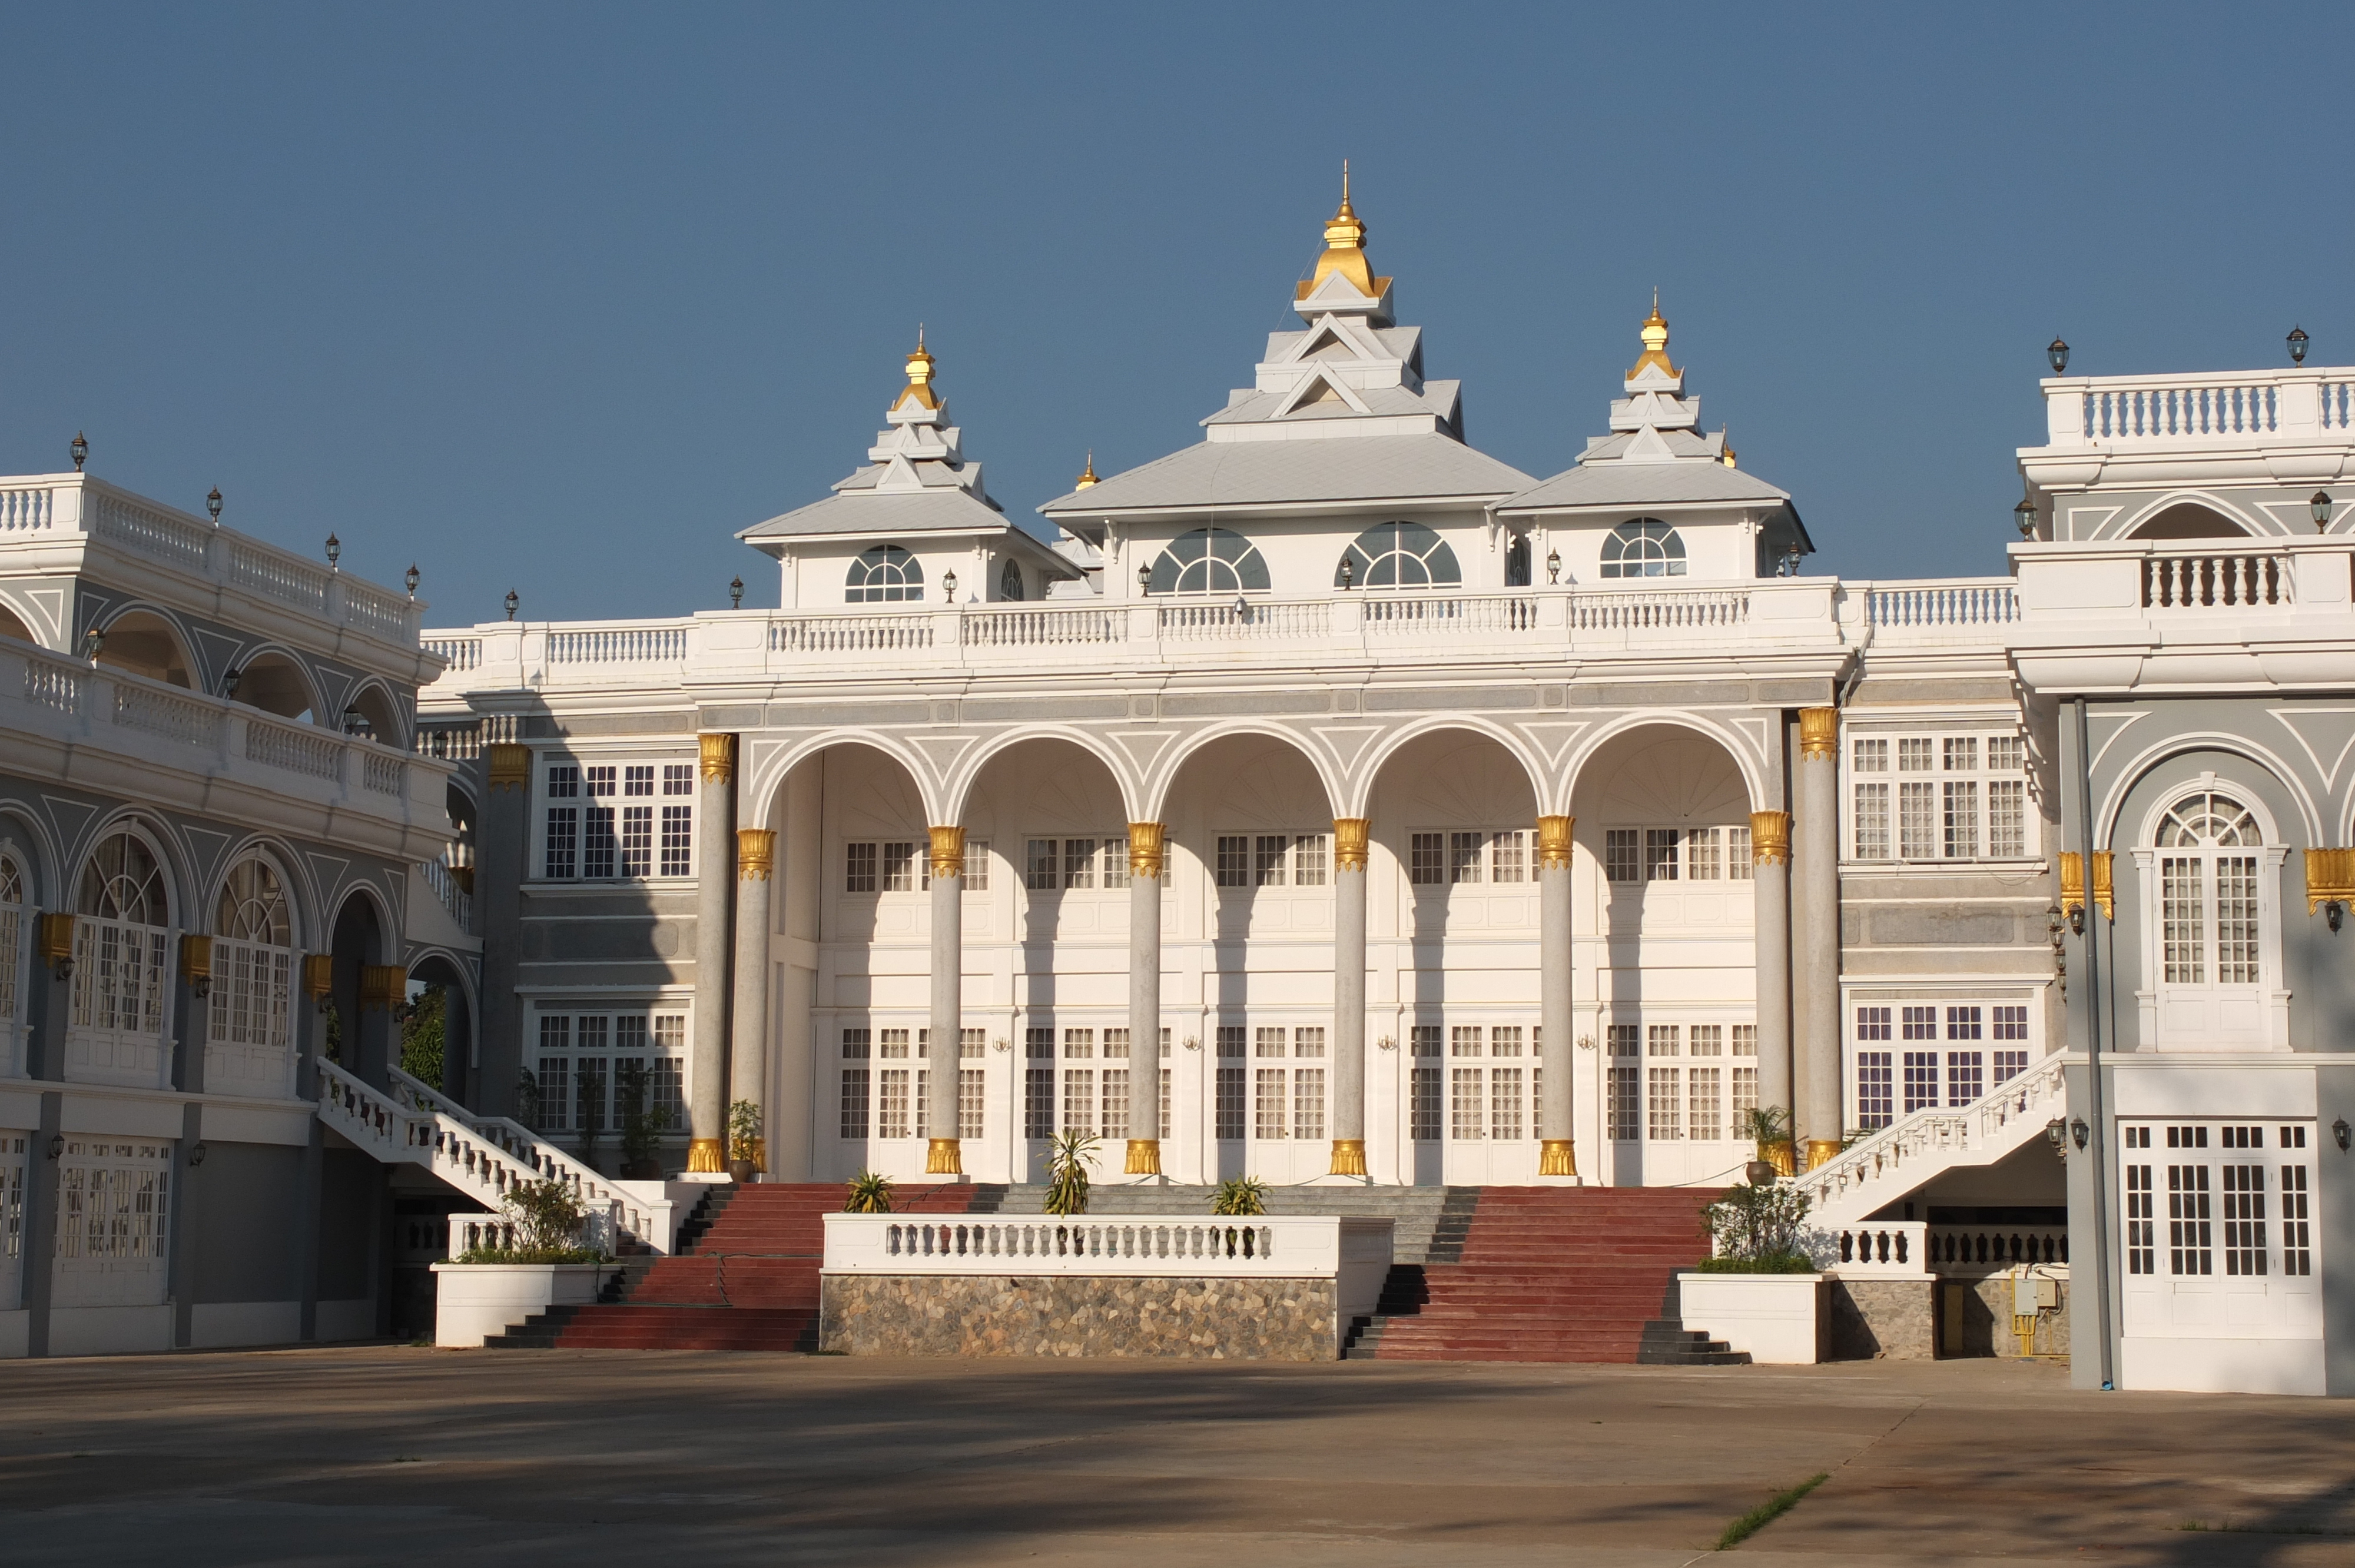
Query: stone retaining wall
{"x": 1894, "y": 1319}
{"x": 995, "y": 1315}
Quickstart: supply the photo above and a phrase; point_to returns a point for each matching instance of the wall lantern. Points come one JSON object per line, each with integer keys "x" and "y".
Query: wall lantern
{"x": 948, "y": 586}
{"x": 80, "y": 449}
{"x": 1143, "y": 578}
{"x": 2339, "y": 1129}
{"x": 2056, "y": 1133}
{"x": 1554, "y": 567}
{"x": 2318, "y": 506}
{"x": 2078, "y": 1132}
{"x": 2297, "y": 345}
{"x": 335, "y": 551}
{"x": 2025, "y": 516}
{"x": 212, "y": 503}
{"x": 1348, "y": 573}
{"x": 2058, "y": 352}
{"x": 408, "y": 578}
{"x": 229, "y": 679}
{"x": 736, "y": 593}
{"x": 512, "y": 603}
{"x": 196, "y": 1154}
{"x": 56, "y": 1145}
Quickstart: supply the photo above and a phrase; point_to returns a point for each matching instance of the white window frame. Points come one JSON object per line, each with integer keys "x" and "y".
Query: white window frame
{"x": 665, "y": 771}
{"x": 669, "y": 1032}
{"x": 1874, "y": 796}
{"x": 2159, "y": 1002}
{"x": 1732, "y": 858}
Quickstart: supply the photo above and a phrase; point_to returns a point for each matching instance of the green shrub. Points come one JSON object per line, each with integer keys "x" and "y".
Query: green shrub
{"x": 870, "y": 1193}
{"x": 1067, "y": 1172}
{"x": 548, "y": 1217}
{"x": 530, "y": 1254}
{"x": 1239, "y": 1195}
{"x": 743, "y": 1130}
{"x": 1751, "y": 1225}
{"x": 1772, "y": 1263}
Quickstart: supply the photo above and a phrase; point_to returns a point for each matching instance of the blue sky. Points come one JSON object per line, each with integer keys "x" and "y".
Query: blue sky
{"x": 560, "y": 298}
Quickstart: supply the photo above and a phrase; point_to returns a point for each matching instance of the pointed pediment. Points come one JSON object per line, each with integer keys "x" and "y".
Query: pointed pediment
{"x": 1325, "y": 391}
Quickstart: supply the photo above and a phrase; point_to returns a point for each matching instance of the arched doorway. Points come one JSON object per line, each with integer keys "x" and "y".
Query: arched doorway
{"x": 122, "y": 971}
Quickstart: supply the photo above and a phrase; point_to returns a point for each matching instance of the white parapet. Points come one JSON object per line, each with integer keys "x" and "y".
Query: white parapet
{"x": 473, "y": 1301}
{"x": 1777, "y": 1318}
{"x": 1354, "y": 1253}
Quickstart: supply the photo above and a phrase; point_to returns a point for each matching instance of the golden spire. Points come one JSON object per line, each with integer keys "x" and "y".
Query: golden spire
{"x": 1088, "y": 474}
{"x": 1655, "y": 334}
{"x": 1727, "y": 456}
{"x": 1344, "y": 250}
{"x": 920, "y": 375}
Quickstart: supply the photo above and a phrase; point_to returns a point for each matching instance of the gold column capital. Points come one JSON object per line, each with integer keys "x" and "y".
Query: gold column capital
{"x": 2105, "y": 895}
{"x": 1556, "y": 1157}
{"x": 2073, "y": 882}
{"x": 1350, "y": 836}
{"x": 1147, "y": 852}
{"x": 948, "y": 852}
{"x": 1553, "y": 843}
{"x": 1822, "y": 1151}
{"x": 196, "y": 958}
{"x": 756, "y": 853}
{"x": 318, "y": 975}
{"x": 1144, "y": 1156}
{"x": 2330, "y": 878}
{"x": 57, "y": 939}
{"x": 942, "y": 1158}
{"x": 383, "y": 986}
{"x": 704, "y": 1155}
{"x": 1770, "y": 838}
{"x": 717, "y": 754}
{"x": 1818, "y": 734}
{"x": 1782, "y": 1155}
{"x": 1348, "y": 1157}
{"x": 509, "y": 764}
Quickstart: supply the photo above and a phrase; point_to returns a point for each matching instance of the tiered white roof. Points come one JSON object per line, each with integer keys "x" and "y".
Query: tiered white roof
{"x": 1338, "y": 412}
{"x": 916, "y": 480}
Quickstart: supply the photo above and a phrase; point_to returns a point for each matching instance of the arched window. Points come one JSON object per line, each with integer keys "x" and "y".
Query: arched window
{"x": 12, "y": 961}
{"x": 1646, "y": 547}
{"x": 122, "y": 962}
{"x": 1010, "y": 582}
{"x": 1400, "y": 555}
{"x": 2209, "y": 918}
{"x": 1208, "y": 560}
{"x": 885, "y": 574}
{"x": 248, "y": 1041}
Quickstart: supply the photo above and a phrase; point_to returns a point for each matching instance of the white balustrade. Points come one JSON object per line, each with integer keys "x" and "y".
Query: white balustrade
{"x": 273, "y": 574}
{"x": 55, "y": 684}
{"x": 297, "y": 748}
{"x": 2172, "y": 411}
{"x": 850, "y": 633}
{"x": 498, "y": 1153}
{"x": 1943, "y": 605}
{"x": 1286, "y": 1246}
{"x": 2215, "y": 578}
{"x": 1877, "y": 1249}
{"x": 1984, "y": 1249}
{"x": 997, "y": 627}
{"x": 379, "y": 612}
{"x": 385, "y": 772}
{"x": 157, "y": 712}
{"x": 1396, "y": 615}
{"x": 1233, "y": 622}
{"x": 181, "y": 540}
{"x": 459, "y": 654}
{"x": 456, "y": 900}
{"x": 1640, "y": 610}
{"x": 450, "y": 743}
{"x": 618, "y": 645}
{"x": 25, "y": 509}
{"x": 1894, "y": 1161}
{"x": 2339, "y": 405}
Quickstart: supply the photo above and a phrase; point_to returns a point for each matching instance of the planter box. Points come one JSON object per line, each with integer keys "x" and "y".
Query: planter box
{"x": 1778, "y": 1317}
{"x": 474, "y": 1300}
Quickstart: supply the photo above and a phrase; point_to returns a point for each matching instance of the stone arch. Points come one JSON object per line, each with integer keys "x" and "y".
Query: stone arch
{"x": 13, "y": 625}
{"x": 173, "y": 868}
{"x": 380, "y": 713}
{"x": 958, "y": 788}
{"x": 1164, "y": 774}
{"x": 767, "y": 786}
{"x": 2141, "y": 768}
{"x": 150, "y": 643}
{"x": 1361, "y": 781}
{"x": 35, "y": 849}
{"x": 300, "y": 918}
{"x": 439, "y": 966}
{"x": 2188, "y": 514}
{"x": 1736, "y": 746}
{"x": 275, "y": 680}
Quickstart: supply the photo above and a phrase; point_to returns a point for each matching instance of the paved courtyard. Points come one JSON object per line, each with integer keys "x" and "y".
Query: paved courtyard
{"x": 397, "y": 1455}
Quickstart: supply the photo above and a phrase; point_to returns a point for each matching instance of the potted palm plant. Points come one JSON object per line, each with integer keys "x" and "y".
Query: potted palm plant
{"x": 744, "y": 1141}
{"x": 1240, "y": 1196}
{"x": 1769, "y": 1128}
{"x": 869, "y": 1193}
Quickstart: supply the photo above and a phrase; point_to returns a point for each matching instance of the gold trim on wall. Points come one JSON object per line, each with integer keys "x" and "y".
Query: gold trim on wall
{"x": 55, "y": 939}
{"x": 1822, "y": 1151}
{"x": 383, "y": 986}
{"x": 1819, "y": 733}
{"x": 1556, "y": 1156}
{"x": 942, "y": 1158}
{"x": 1553, "y": 843}
{"x": 705, "y": 1156}
{"x": 2330, "y": 878}
{"x": 1350, "y": 835}
{"x": 756, "y": 853}
{"x": 2073, "y": 882}
{"x": 1146, "y": 848}
{"x": 196, "y": 958}
{"x": 509, "y": 764}
{"x": 1348, "y": 1157}
{"x": 1770, "y": 838}
{"x": 318, "y": 975}
{"x": 1144, "y": 1155}
{"x": 2105, "y": 895}
{"x": 948, "y": 852}
{"x": 717, "y": 754}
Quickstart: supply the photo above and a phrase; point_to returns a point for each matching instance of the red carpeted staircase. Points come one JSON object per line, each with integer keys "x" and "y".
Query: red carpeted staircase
{"x": 745, "y": 1277}
{"x": 1542, "y": 1274}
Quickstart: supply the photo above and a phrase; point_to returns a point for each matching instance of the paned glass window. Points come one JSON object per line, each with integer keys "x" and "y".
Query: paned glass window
{"x": 1399, "y": 556}
{"x": 1209, "y": 561}
{"x": 1644, "y": 548}
{"x": 2189, "y": 1237}
{"x": 884, "y": 574}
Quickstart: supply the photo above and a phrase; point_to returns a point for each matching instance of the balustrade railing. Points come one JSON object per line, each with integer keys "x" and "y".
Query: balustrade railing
{"x": 2191, "y": 408}
{"x": 385, "y": 772}
{"x": 1895, "y": 1160}
{"x": 180, "y": 540}
{"x": 276, "y": 576}
{"x": 450, "y": 743}
{"x": 1286, "y": 1246}
{"x": 1244, "y": 621}
{"x": 850, "y": 633}
{"x": 1962, "y": 1249}
{"x": 455, "y": 900}
{"x": 1880, "y": 1248}
{"x": 503, "y": 1152}
{"x": 459, "y": 654}
{"x": 1002, "y": 628}
{"x": 175, "y": 718}
{"x": 618, "y": 645}
{"x": 1408, "y": 615}
{"x": 54, "y": 685}
{"x": 1943, "y": 605}
{"x": 1691, "y": 609}
{"x": 2216, "y": 579}
{"x": 297, "y": 748}
{"x": 26, "y": 509}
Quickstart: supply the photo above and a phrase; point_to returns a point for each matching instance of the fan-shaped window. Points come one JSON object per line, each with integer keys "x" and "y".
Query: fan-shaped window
{"x": 1208, "y": 560}
{"x": 1646, "y": 547}
{"x": 1399, "y": 556}
{"x": 885, "y": 574}
{"x": 1009, "y": 581}
{"x": 2209, "y": 917}
{"x": 2189, "y": 520}
{"x": 253, "y": 906}
{"x": 123, "y": 882}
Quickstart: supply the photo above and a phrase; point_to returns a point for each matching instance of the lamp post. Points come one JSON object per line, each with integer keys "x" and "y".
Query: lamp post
{"x": 948, "y": 584}
{"x": 2025, "y": 516}
{"x": 80, "y": 449}
{"x": 409, "y": 578}
{"x": 1348, "y": 573}
{"x": 736, "y": 592}
{"x": 2318, "y": 506}
{"x": 229, "y": 679}
{"x": 335, "y": 552}
{"x": 212, "y": 503}
{"x": 1143, "y": 581}
{"x": 2297, "y": 345}
{"x": 512, "y": 603}
{"x": 2058, "y": 352}
{"x": 1554, "y": 567}
{"x": 93, "y": 643}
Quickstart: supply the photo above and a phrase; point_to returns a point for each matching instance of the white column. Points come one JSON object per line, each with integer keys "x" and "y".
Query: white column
{"x": 715, "y": 894}
{"x": 942, "y": 1157}
{"x": 1816, "y": 960}
{"x": 1770, "y": 849}
{"x": 1349, "y": 836}
{"x": 748, "y": 1056}
{"x": 1145, "y": 862}
{"x": 1557, "y": 1154}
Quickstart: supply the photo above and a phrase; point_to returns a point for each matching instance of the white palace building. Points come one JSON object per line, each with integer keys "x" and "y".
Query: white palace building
{"x": 1429, "y": 822}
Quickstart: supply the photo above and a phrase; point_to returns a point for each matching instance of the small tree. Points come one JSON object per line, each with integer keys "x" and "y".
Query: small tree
{"x": 1066, "y": 1172}
{"x": 423, "y": 1031}
{"x": 744, "y": 1131}
{"x": 1756, "y": 1230}
{"x": 548, "y": 1215}
{"x": 333, "y": 1035}
{"x": 1239, "y": 1195}
{"x": 869, "y": 1193}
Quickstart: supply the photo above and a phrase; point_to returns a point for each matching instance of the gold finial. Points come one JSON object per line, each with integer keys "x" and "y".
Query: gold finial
{"x": 1088, "y": 474}
{"x": 1344, "y": 250}
{"x": 920, "y": 375}
{"x": 1728, "y": 457}
{"x": 1655, "y": 333}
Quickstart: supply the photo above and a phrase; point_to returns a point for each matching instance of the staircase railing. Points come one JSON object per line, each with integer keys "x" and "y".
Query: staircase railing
{"x": 544, "y": 1159}
{"x": 1899, "y": 1159}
